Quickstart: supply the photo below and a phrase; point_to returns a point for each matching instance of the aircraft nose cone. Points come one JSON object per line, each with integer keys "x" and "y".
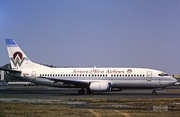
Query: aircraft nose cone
{"x": 173, "y": 80}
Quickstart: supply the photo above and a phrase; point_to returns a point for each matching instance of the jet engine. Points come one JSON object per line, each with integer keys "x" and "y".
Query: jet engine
{"x": 100, "y": 86}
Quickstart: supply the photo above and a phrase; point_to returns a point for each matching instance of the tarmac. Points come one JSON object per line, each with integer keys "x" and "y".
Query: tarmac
{"x": 43, "y": 92}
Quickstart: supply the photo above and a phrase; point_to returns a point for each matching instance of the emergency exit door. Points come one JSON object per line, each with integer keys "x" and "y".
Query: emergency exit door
{"x": 33, "y": 74}
{"x": 149, "y": 76}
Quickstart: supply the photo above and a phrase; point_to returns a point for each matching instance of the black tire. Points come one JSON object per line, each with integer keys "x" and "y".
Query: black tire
{"x": 154, "y": 92}
{"x": 89, "y": 91}
{"x": 80, "y": 92}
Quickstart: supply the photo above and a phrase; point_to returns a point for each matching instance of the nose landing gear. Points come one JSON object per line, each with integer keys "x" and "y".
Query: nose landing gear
{"x": 156, "y": 89}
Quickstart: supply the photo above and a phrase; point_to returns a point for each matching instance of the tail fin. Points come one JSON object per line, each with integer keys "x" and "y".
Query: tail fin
{"x": 18, "y": 58}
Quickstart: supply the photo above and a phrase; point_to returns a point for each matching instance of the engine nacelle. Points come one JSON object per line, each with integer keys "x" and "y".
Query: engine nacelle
{"x": 100, "y": 86}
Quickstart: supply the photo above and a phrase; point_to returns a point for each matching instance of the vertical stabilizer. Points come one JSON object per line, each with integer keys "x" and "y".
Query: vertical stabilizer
{"x": 18, "y": 58}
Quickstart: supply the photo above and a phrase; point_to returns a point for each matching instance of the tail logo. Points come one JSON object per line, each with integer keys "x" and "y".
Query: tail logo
{"x": 17, "y": 59}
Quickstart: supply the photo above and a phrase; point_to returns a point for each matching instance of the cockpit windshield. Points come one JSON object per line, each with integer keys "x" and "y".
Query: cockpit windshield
{"x": 163, "y": 74}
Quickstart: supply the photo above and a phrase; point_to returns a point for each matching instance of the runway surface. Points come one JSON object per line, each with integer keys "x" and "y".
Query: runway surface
{"x": 49, "y": 92}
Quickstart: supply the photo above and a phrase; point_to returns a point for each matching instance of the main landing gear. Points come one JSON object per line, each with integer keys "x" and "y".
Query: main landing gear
{"x": 154, "y": 92}
{"x": 89, "y": 91}
{"x": 82, "y": 91}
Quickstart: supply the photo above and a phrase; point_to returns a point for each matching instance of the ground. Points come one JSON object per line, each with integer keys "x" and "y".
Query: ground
{"x": 93, "y": 107}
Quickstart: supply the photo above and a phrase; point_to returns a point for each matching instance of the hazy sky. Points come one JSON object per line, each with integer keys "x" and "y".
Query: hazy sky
{"x": 104, "y": 33}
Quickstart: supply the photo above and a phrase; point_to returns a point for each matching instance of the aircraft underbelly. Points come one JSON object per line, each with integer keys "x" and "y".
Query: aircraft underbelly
{"x": 120, "y": 83}
{"x": 136, "y": 83}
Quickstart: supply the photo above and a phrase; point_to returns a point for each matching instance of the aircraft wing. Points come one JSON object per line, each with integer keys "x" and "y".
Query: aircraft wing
{"x": 76, "y": 83}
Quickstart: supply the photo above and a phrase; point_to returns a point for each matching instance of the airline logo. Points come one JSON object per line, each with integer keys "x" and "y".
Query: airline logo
{"x": 99, "y": 71}
{"x": 17, "y": 59}
{"x": 129, "y": 71}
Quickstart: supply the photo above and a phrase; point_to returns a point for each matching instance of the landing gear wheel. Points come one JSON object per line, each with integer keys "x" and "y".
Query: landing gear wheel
{"x": 89, "y": 91}
{"x": 81, "y": 91}
{"x": 154, "y": 92}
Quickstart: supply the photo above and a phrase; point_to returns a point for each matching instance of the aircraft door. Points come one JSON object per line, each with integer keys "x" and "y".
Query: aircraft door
{"x": 33, "y": 74}
{"x": 160, "y": 79}
{"x": 149, "y": 76}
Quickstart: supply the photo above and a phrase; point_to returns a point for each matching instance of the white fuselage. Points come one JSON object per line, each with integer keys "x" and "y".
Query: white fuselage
{"x": 118, "y": 77}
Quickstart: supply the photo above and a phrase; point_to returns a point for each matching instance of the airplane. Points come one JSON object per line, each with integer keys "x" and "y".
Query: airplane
{"x": 89, "y": 80}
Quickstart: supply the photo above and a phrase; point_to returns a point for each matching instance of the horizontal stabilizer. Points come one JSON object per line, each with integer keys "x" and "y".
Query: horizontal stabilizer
{"x": 11, "y": 70}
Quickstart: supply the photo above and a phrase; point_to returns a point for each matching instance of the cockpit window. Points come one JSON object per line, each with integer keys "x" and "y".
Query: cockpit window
{"x": 163, "y": 74}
